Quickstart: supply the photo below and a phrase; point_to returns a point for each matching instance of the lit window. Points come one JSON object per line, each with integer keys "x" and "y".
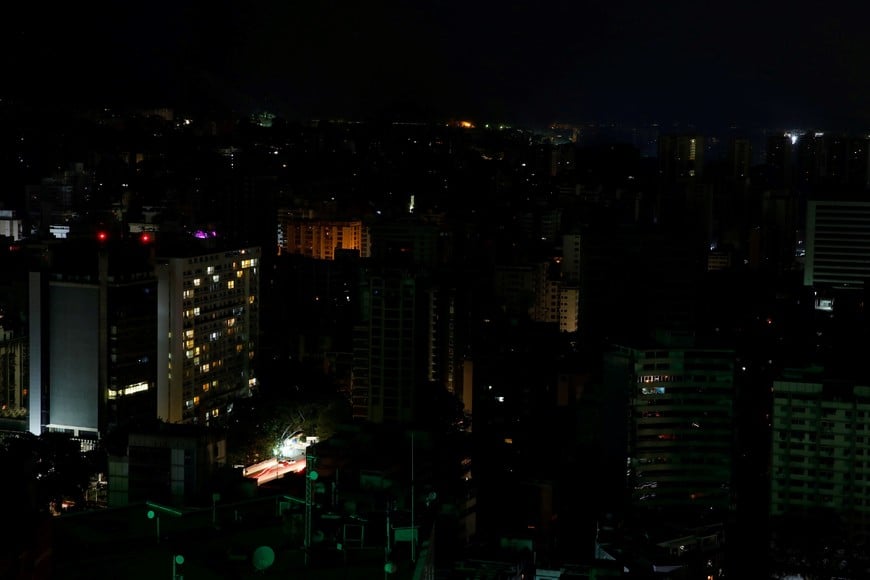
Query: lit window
{"x": 250, "y": 299}
{"x": 216, "y": 278}
{"x": 231, "y": 284}
{"x": 188, "y": 334}
{"x": 197, "y": 281}
{"x": 239, "y": 273}
{"x": 209, "y": 270}
{"x": 205, "y": 387}
{"x": 196, "y": 400}
{"x": 206, "y": 367}
{"x": 196, "y": 311}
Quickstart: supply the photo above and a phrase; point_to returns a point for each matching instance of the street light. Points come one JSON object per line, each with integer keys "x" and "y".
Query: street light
{"x": 152, "y": 515}
{"x": 177, "y": 560}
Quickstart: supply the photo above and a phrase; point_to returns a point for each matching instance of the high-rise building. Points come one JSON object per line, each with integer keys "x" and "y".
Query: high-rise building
{"x": 208, "y": 327}
{"x": 739, "y": 158}
{"x": 837, "y": 244}
{"x": 92, "y": 337}
{"x": 13, "y": 376}
{"x": 571, "y": 244}
{"x": 680, "y": 426}
{"x": 388, "y": 367}
{"x": 820, "y": 447}
{"x": 781, "y": 159}
{"x": 833, "y": 160}
{"x": 406, "y": 241}
{"x": 320, "y": 238}
{"x": 681, "y": 157}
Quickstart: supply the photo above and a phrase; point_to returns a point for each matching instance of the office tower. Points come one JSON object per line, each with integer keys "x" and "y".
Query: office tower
{"x": 820, "y": 447}
{"x": 208, "y": 328}
{"x": 93, "y": 334}
{"x": 837, "y": 244}
{"x": 680, "y": 426}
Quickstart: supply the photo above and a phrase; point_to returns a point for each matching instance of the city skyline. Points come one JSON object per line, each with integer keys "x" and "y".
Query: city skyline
{"x": 521, "y": 62}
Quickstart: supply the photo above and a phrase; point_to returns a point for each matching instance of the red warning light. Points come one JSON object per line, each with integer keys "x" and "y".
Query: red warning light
{"x": 145, "y": 237}
{"x": 102, "y": 236}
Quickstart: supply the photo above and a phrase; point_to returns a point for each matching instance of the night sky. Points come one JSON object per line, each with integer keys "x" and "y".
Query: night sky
{"x": 784, "y": 64}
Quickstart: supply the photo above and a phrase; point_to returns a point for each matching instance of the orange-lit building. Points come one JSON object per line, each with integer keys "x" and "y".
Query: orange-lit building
{"x": 320, "y": 238}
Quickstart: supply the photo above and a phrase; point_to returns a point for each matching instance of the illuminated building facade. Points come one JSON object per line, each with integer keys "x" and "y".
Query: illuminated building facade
{"x": 10, "y": 225}
{"x": 13, "y": 375}
{"x": 320, "y": 238}
{"x": 680, "y": 429}
{"x": 208, "y": 313}
{"x": 92, "y": 361}
{"x": 820, "y": 448}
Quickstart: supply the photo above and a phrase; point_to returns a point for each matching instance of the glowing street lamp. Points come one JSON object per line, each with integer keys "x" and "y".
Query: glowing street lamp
{"x": 177, "y": 560}
{"x": 152, "y": 515}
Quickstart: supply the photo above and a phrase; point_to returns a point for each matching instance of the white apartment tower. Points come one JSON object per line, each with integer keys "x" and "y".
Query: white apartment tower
{"x": 208, "y": 313}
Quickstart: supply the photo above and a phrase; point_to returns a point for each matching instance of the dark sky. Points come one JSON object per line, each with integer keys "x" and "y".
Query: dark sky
{"x": 783, "y": 64}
